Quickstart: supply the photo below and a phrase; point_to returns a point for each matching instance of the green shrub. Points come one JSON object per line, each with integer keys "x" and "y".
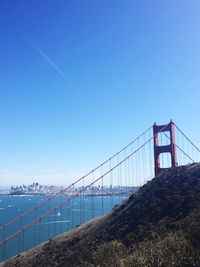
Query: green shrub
{"x": 173, "y": 250}
{"x": 107, "y": 254}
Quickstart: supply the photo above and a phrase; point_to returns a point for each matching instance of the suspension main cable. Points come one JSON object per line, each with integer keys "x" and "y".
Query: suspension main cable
{"x": 180, "y": 149}
{"x": 186, "y": 137}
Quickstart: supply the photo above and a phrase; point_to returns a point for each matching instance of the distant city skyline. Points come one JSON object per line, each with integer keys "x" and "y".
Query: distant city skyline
{"x": 81, "y": 79}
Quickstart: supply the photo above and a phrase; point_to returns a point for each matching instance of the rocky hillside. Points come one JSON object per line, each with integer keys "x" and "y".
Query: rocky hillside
{"x": 157, "y": 226}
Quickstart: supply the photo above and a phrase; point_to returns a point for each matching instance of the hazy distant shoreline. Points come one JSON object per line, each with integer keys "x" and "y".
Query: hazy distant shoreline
{"x": 44, "y": 194}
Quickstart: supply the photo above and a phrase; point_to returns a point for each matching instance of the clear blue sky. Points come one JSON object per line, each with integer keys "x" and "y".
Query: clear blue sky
{"x": 79, "y": 79}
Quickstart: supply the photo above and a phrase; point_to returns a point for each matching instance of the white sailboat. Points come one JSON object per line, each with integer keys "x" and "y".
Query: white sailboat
{"x": 58, "y": 214}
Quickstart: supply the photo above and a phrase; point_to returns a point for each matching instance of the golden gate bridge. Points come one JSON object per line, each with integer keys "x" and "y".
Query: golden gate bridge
{"x": 157, "y": 148}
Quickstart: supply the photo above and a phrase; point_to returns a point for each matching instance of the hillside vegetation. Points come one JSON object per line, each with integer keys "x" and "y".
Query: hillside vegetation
{"x": 157, "y": 226}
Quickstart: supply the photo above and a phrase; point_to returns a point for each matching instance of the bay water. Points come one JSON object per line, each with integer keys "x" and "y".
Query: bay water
{"x": 76, "y": 212}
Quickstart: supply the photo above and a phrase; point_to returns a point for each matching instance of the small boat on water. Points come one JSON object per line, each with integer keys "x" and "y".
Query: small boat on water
{"x": 58, "y": 214}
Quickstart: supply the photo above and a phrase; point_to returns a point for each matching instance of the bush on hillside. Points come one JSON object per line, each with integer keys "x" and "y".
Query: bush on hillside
{"x": 172, "y": 250}
{"x": 107, "y": 254}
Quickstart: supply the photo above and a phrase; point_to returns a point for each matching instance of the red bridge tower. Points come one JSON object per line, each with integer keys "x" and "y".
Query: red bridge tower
{"x": 159, "y": 149}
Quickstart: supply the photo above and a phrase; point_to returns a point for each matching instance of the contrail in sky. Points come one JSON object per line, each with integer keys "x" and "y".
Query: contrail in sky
{"x": 50, "y": 61}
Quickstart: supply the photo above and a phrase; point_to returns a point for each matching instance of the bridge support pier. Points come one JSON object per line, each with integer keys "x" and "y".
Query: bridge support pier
{"x": 160, "y": 149}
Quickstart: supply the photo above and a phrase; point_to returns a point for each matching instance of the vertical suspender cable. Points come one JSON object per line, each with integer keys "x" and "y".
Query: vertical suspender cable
{"x": 68, "y": 216}
{"x": 61, "y": 223}
{"x": 4, "y": 249}
{"x": 167, "y": 158}
{"x": 54, "y": 223}
{"x": 150, "y": 156}
{"x": 83, "y": 195}
{"x": 128, "y": 174}
{"x": 80, "y": 207}
{"x": 35, "y": 228}
{"x": 179, "y": 155}
{"x": 161, "y": 155}
{"x": 118, "y": 178}
{"x": 144, "y": 162}
{"x": 138, "y": 154}
{"x": 183, "y": 147}
{"x": 121, "y": 181}
{"x": 137, "y": 172}
{"x": 125, "y": 171}
{"x": 132, "y": 169}
{"x": 102, "y": 191}
{"x": 111, "y": 186}
{"x": 92, "y": 197}
{"x": 49, "y": 232}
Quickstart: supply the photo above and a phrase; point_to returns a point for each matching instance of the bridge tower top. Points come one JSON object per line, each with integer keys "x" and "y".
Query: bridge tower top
{"x": 160, "y": 149}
